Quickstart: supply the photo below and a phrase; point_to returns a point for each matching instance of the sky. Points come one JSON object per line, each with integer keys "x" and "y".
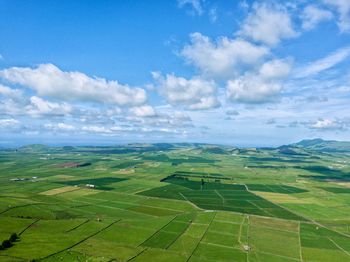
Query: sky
{"x": 243, "y": 73}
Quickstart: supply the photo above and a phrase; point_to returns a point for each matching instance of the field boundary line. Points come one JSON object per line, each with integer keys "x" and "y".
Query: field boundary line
{"x": 27, "y": 227}
{"x": 277, "y": 255}
{"x": 82, "y": 240}
{"x": 128, "y": 210}
{"x": 248, "y": 231}
{"x": 179, "y": 235}
{"x": 200, "y": 240}
{"x": 300, "y": 247}
{"x": 278, "y": 229}
{"x": 23, "y": 259}
{"x": 228, "y": 222}
{"x": 136, "y": 204}
{"x": 284, "y": 208}
{"x": 87, "y": 220}
{"x": 32, "y": 204}
{"x": 342, "y": 249}
{"x": 8, "y": 196}
{"x": 189, "y": 201}
{"x": 183, "y": 196}
{"x": 240, "y": 230}
{"x": 223, "y": 246}
{"x": 132, "y": 258}
{"x": 311, "y": 221}
{"x": 223, "y": 199}
{"x": 139, "y": 191}
{"x": 157, "y": 231}
{"x": 261, "y": 209}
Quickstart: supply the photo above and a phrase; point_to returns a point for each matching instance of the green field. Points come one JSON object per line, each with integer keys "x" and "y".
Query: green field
{"x": 174, "y": 202}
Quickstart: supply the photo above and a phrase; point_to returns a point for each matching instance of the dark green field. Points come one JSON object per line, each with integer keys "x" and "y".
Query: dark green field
{"x": 174, "y": 202}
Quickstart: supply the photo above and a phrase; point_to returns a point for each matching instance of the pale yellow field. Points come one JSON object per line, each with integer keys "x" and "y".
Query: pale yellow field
{"x": 59, "y": 190}
{"x": 56, "y": 177}
{"x": 282, "y": 198}
{"x": 345, "y": 184}
{"x": 79, "y": 193}
{"x": 275, "y": 223}
{"x": 124, "y": 171}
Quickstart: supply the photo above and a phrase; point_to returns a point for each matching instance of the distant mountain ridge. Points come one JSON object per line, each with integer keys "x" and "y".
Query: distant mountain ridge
{"x": 319, "y": 144}
{"x": 300, "y": 148}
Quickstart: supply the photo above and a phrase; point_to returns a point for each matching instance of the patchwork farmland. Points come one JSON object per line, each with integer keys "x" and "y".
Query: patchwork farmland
{"x": 173, "y": 202}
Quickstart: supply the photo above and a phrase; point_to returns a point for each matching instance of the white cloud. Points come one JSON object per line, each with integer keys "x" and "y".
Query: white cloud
{"x": 194, "y": 94}
{"x": 327, "y": 124}
{"x": 252, "y": 89}
{"x": 195, "y": 4}
{"x": 41, "y": 107}
{"x": 60, "y": 127}
{"x": 343, "y": 8}
{"x": 259, "y": 87}
{"x": 324, "y": 63}
{"x": 96, "y": 129}
{"x": 221, "y": 58}
{"x": 48, "y": 80}
{"x": 10, "y": 122}
{"x": 313, "y": 15}
{"x": 8, "y": 92}
{"x": 143, "y": 111}
{"x": 275, "y": 69}
{"x": 268, "y": 24}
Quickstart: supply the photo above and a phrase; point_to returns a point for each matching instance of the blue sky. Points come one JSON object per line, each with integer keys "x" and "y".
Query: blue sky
{"x": 247, "y": 73}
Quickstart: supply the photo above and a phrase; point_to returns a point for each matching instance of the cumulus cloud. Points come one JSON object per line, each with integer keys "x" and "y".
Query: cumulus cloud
{"x": 323, "y": 64}
{"x": 8, "y": 92}
{"x": 259, "y": 87}
{"x": 343, "y": 9}
{"x": 41, "y": 107}
{"x": 312, "y": 15}
{"x": 194, "y": 94}
{"x": 328, "y": 124}
{"x": 195, "y": 4}
{"x": 268, "y": 24}
{"x": 223, "y": 57}
{"x": 252, "y": 89}
{"x": 143, "y": 111}
{"x": 49, "y": 81}
{"x": 275, "y": 69}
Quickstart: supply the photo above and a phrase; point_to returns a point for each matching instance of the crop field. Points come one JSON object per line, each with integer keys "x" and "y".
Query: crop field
{"x": 173, "y": 202}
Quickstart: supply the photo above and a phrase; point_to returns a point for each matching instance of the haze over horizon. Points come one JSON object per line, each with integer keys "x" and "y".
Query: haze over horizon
{"x": 244, "y": 73}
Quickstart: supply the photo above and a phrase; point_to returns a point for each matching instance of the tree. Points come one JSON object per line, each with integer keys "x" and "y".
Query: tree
{"x": 6, "y": 243}
{"x": 13, "y": 237}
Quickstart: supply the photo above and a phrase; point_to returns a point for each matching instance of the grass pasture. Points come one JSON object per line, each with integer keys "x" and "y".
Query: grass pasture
{"x": 219, "y": 196}
{"x": 173, "y": 203}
